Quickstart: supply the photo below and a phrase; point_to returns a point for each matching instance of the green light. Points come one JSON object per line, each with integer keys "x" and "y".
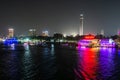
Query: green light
{"x": 27, "y": 39}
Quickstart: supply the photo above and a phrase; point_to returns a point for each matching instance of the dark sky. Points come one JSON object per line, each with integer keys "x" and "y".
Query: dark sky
{"x": 59, "y": 16}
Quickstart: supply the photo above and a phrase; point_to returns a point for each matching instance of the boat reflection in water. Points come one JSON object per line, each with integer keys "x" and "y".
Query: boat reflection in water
{"x": 96, "y": 64}
{"x": 87, "y": 64}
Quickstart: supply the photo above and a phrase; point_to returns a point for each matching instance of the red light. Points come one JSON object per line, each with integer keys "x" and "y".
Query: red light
{"x": 89, "y": 36}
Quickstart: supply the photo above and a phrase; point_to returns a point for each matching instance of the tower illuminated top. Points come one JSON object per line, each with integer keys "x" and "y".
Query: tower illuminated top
{"x": 81, "y": 24}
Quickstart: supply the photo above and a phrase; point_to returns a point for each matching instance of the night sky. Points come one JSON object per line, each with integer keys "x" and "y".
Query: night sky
{"x": 61, "y": 16}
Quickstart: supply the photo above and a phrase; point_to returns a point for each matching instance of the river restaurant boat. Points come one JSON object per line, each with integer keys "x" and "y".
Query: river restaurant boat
{"x": 91, "y": 41}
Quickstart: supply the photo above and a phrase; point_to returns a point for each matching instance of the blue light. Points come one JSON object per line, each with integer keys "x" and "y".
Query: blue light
{"x": 10, "y": 41}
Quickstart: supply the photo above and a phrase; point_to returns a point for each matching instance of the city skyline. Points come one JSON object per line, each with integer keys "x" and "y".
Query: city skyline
{"x": 61, "y": 16}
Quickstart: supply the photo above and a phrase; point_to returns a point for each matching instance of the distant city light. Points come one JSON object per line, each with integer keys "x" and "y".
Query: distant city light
{"x": 74, "y": 34}
{"x": 64, "y": 35}
{"x": 45, "y": 33}
{"x": 32, "y": 29}
{"x": 27, "y": 39}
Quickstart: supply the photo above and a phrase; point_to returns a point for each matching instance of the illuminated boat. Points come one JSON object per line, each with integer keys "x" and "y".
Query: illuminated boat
{"x": 107, "y": 43}
{"x": 89, "y": 41}
{"x": 10, "y": 41}
{"x": 13, "y": 44}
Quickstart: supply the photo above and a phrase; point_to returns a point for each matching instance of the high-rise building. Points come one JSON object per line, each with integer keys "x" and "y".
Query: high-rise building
{"x": 45, "y": 33}
{"x": 11, "y": 32}
{"x": 32, "y": 32}
{"x": 81, "y": 24}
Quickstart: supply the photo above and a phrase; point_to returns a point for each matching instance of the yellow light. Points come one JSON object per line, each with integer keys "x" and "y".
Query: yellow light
{"x": 74, "y": 34}
{"x": 64, "y": 35}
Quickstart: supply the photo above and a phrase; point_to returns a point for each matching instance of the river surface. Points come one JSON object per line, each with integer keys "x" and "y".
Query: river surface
{"x": 58, "y": 63}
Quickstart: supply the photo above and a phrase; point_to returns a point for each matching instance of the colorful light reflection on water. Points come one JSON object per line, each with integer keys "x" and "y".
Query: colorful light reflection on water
{"x": 58, "y": 63}
{"x": 96, "y": 63}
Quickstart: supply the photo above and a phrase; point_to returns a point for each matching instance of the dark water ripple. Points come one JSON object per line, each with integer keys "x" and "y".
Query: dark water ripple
{"x": 57, "y": 63}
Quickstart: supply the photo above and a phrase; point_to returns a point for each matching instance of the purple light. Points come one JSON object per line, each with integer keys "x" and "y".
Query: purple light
{"x": 84, "y": 43}
{"x": 107, "y": 43}
{"x": 101, "y": 43}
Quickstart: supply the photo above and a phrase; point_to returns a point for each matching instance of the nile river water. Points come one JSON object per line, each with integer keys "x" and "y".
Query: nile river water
{"x": 57, "y": 63}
